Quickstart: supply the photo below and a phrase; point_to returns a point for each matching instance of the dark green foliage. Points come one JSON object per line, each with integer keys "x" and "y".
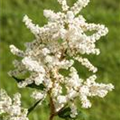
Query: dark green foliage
{"x": 33, "y": 85}
{"x": 33, "y": 107}
{"x": 65, "y": 113}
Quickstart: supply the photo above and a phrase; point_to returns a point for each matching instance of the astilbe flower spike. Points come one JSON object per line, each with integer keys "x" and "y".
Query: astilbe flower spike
{"x": 57, "y": 45}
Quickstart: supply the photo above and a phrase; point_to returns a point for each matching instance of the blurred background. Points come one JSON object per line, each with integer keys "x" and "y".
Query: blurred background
{"x": 13, "y": 31}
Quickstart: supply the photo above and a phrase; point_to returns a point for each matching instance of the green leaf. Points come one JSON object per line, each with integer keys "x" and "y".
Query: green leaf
{"x": 65, "y": 113}
{"x": 33, "y": 107}
{"x": 33, "y": 85}
{"x": 64, "y": 72}
{"x": 17, "y": 79}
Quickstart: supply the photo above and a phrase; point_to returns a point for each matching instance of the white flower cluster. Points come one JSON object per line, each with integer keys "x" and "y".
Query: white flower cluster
{"x": 58, "y": 44}
{"x": 12, "y": 108}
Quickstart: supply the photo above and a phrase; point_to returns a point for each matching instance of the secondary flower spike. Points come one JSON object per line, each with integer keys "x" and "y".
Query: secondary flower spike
{"x": 57, "y": 45}
{"x": 11, "y": 108}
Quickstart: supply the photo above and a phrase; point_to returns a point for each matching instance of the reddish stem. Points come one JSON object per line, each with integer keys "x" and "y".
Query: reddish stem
{"x": 52, "y": 108}
{"x": 51, "y": 117}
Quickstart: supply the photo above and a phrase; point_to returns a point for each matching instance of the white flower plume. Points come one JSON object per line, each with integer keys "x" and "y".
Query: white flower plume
{"x": 57, "y": 45}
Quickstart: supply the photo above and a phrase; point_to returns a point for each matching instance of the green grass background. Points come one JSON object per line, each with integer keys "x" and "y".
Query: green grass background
{"x": 13, "y": 31}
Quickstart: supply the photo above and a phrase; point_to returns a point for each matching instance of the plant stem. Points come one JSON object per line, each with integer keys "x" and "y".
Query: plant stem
{"x": 52, "y": 108}
{"x": 51, "y": 117}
